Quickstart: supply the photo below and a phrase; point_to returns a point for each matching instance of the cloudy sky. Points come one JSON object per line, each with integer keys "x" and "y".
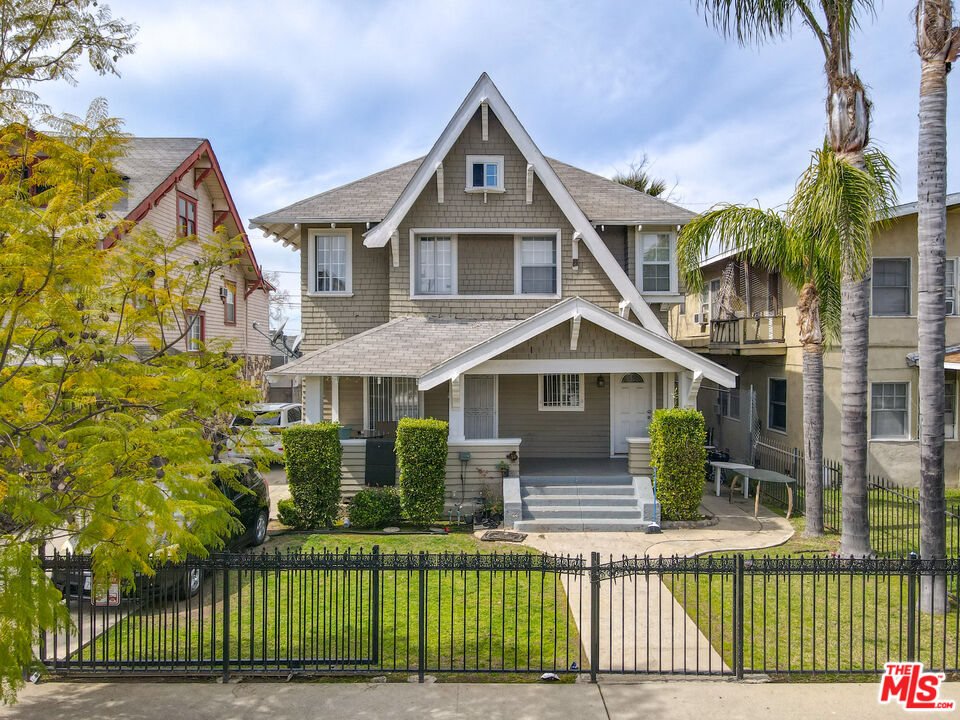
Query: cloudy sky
{"x": 299, "y": 97}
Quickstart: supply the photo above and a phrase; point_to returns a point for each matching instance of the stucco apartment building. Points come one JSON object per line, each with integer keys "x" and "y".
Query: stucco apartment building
{"x": 761, "y": 344}
{"x": 176, "y": 186}
{"x": 517, "y": 297}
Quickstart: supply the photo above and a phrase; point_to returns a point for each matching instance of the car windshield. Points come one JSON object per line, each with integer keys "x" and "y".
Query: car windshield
{"x": 271, "y": 417}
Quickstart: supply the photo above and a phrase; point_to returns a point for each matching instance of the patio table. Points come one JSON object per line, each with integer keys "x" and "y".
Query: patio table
{"x": 719, "y": 465}
{"x": 766, "y": 476}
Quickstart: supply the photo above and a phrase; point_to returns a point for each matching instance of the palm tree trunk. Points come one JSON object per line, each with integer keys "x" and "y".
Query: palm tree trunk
{"x": 813, "y": 439}
{"x": 811, "y": 337}
{"x": 933, "y": 43}
{"x": 855, "y": 332}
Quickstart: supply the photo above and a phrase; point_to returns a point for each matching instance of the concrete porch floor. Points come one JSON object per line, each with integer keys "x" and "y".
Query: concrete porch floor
{"x": 572, "y": 467}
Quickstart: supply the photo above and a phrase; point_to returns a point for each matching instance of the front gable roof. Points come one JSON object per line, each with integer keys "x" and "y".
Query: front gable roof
{"x": 152, "y": 167}
{"x": 562, "y": 312}
{"x": 484, "y": 91}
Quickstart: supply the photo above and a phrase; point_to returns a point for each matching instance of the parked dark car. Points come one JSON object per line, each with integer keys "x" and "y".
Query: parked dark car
{"x": 253, "y": 512}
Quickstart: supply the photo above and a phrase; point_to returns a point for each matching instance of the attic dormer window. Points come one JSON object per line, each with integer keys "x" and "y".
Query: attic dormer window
{"x": 484, "y": 173}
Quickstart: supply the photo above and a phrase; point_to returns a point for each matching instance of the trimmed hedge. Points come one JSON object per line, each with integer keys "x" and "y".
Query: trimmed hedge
{"x": 288, "y": 514}
{"x": 374, "y": 508}
{"x": 313, "y": 454}
{"x": 422, "y": 459}
{"x": 677, "y": 436}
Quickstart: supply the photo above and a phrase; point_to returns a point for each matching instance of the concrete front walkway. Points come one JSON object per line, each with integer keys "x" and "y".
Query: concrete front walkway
{"x": 684, "y": 700}
{"x": 643, "y": 627}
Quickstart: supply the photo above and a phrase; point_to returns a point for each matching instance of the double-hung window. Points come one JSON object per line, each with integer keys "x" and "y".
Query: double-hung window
{"x": 655, "y": 262}
{"x": 537, "y": 259}
{"x": 891, "y": 286}
{"x": 330, "y": 261}
{"x": 230, "y": 303}
{"x": 889, "y": 410}
{"x": 435, "y": 265}
{"x": 484, "y": 173}
{"x": 950, "y": 286}
{"x": 186, "y": 215}
{"x": 195, "y": 333}
{"x": 777, "y": 404}
{"x": 561, "y": 391}
{"x": 950, "y": 409}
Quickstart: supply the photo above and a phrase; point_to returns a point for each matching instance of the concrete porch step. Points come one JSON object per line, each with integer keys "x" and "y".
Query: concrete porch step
{"x": 586, "y": 490}
{"x": 578, "y": 500}
{"x": 583, "y": 513}
{"x": 567, "y": 480}
{"x": 572, "y": 525}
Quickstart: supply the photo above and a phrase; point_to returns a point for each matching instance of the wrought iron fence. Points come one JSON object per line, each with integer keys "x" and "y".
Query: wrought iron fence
{"x": 893, "y": 511}
{"x": 370, "y": 614}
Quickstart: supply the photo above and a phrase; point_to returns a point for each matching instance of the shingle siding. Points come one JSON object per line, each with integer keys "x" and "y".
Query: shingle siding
{"x": 485, "y": 264}
{"x": 593, "y": 343}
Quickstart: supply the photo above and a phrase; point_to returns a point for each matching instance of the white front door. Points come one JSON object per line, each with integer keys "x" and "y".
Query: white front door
{"x": 631, "y": 397}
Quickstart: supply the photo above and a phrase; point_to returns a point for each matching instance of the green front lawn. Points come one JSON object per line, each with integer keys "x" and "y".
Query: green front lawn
{"x": 824, "y": 623}
{"x": 512, "y": 621}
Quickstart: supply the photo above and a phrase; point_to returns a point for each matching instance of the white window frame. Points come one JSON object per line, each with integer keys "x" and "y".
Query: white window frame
{"x": 195, "y": 331}
{"x": 415, "y": 260}
{"x": 908, "y": 425}
{"x": 518, "y": 267}
{"x": 554, "y": 408}
{"x": 486, "y": 160}
{"x": 910, "y": 302}
{"x": 955, "y": 300}
{"x": 952, "y": 436}
{"x": 312, "y": 235}
{"x": 638, "y": 261}
{"x": 770, "y": 381}
{"x": 517, "y": 233}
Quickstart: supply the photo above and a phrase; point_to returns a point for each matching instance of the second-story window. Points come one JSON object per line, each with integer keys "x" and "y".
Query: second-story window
{"x": 195, "y": 331}
{"x": 655, "y": 262}
{"x": 950, "y": 286}
{"x": 230, "y": 303}
{"x": 537, "y": 259}
{"x": 186, "y": 215}
{"x": 485, "y": 173}
{"x": 891, "y": 286}
{"x": 435, "y": 265}
{"x": 330, "y": 261}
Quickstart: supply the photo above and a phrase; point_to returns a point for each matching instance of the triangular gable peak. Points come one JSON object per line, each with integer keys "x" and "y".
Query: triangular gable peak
{"x": 484, "y": 91}
{"x": 201, "y": 166}
{"x": 572, "y": 309}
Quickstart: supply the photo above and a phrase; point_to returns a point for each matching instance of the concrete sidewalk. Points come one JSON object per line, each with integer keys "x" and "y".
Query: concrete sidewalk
{"x": 680, "y": 699}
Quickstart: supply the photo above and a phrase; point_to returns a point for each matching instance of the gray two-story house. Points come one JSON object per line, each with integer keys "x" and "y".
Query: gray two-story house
{"x": 516, "y": 297}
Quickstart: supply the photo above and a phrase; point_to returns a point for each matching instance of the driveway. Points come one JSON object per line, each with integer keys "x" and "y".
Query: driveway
{"x": 279, "y": 489}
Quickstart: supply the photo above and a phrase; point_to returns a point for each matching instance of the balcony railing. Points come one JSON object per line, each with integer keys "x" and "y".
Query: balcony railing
{"x": 748, "y": 331}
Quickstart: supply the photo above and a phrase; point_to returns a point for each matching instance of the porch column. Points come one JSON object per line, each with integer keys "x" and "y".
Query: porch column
{"x": 456, "y": 409}
{"x": 313, "y": 398}
{"x": 335, "y": 399}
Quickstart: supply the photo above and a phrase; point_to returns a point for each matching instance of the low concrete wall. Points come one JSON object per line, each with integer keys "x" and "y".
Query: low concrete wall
{"x": 638, "y": 457}
{"x": 479, "y": 474}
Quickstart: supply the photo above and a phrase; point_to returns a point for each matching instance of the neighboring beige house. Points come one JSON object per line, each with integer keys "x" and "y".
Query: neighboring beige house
{"x": 175, "y": 185}
{"x": 762, "y": 346}
{"x": 519, "y": 298}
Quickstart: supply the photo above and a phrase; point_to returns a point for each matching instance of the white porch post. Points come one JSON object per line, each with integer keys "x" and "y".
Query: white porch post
{"x": 335, "y": 399}
{"x": 456, "y": 409}
{"x": 313, "y": 398}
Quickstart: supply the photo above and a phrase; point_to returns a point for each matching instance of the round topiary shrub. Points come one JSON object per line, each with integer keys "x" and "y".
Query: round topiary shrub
{"x": 313, "y": 455}
{"x": 677, "y": 436}
{"x": 374, "y": 508}
{"x": 422, "y": 459}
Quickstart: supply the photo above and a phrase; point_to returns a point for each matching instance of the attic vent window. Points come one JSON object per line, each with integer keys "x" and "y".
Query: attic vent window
{"x": 484, "y": 173}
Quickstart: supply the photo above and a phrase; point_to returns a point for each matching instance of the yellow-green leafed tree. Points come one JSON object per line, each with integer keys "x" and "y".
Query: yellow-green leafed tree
{"x": 108, "y": 431}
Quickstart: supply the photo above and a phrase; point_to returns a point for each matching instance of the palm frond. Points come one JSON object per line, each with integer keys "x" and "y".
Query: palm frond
{"x": 749, "y": 21}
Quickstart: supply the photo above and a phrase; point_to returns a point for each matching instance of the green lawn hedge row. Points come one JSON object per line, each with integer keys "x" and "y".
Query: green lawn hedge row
{"x": 422, "y": 460}
{"x": 677, "y": 437}
{"x": 313, "y": 455}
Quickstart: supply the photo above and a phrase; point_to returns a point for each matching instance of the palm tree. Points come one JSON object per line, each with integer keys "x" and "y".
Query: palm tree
{"x": 803, "y": 244}
{"x": 848, "y": 122}
{"x": 937, "y": 44}
{"x": 639, "y": 178}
